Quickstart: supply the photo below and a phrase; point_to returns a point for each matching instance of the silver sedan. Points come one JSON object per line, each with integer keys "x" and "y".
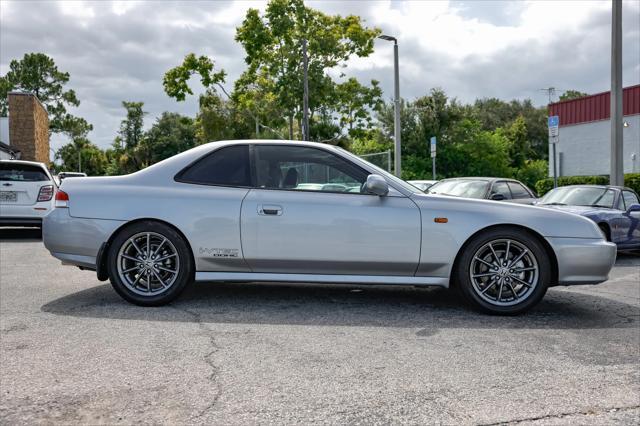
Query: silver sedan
{"x": 239, "y": 211}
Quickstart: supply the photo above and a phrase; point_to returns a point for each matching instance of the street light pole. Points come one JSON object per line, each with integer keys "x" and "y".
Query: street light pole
{"x": 305, "y": 96}
{"x": 396, "y": 106}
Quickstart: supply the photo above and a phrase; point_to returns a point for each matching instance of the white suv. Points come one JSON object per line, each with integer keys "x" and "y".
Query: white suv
{"x": 26, "y": 193}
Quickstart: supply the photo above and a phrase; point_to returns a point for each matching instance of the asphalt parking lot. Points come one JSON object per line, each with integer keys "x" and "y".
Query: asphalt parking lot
{"x": 72, "y": 351}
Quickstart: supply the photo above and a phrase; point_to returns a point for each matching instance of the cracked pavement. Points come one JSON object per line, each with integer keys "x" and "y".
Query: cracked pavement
{"x": 73, "y": 352}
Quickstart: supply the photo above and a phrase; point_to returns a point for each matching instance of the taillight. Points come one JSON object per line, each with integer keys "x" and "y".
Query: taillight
{"x": 62, "y": 199}
{"x": 45, "y": 194}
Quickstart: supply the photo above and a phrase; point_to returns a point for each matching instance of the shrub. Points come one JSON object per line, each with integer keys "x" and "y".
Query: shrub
{"x": 532, "y": 172}
{"x": 631, "y": 180}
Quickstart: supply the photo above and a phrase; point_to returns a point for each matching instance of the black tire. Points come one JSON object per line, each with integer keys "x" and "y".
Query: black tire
{"x": 157, "y": 294}
{"x": 475, "y": 292}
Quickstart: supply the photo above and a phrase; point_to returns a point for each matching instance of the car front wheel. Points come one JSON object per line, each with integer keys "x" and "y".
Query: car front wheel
{"x": 149, "y": 264}
{"x": 503, "y": 271}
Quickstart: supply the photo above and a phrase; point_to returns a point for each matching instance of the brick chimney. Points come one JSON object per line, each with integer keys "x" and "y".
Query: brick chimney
{"x": 28, "y": 127}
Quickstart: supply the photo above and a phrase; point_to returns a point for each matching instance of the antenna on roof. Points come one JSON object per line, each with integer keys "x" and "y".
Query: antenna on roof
{"x": 551, "y": 91}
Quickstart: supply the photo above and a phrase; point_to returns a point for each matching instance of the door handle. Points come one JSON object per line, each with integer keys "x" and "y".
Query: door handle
{"x": 270, "y": 210}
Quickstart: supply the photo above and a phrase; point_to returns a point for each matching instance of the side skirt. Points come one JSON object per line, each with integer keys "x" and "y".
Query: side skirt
{"x": 317, "y": 278}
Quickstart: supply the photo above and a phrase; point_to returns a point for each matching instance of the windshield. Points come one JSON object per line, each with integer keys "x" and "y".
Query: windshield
{"x": 580, "y": 196}
{"x": 465, "y": 188}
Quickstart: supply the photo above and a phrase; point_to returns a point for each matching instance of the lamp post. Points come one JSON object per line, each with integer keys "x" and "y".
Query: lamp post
{"x": 396, "y": 104}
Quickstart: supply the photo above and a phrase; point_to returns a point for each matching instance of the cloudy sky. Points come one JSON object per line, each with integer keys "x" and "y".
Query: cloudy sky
{"x": 120, "y": 50}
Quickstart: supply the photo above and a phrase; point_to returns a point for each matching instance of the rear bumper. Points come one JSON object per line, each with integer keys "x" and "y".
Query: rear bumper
{"x": 583, "y": 261}
{"x": 20, "y": 221}
{"x": 76, "y": 241}
{"x": 24, "y": 215}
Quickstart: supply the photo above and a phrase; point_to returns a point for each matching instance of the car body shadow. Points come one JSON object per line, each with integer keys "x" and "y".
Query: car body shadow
{"x": 342, "y": 305}
{"x": 14, "y": 235}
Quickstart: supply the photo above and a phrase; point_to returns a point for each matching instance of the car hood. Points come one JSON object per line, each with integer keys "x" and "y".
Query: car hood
{"x": 581, "y": 210}
{"x": 473, "y": 213}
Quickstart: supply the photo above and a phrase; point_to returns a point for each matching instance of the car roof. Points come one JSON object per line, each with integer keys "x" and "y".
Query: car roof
{"x": 488, "y": 179}
{"x": 32, "y": 163}
{"x": 269, "y": 142}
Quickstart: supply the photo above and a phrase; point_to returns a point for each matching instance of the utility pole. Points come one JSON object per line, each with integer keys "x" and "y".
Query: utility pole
{"x": 616, "y": 174}
{"x": 305, "y": 98}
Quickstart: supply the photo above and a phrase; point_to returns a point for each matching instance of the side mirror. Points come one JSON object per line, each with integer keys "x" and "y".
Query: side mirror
{"x": 633, "y": 208}
{"x": 376, "y": 185}
{"x": 497, "y": 197}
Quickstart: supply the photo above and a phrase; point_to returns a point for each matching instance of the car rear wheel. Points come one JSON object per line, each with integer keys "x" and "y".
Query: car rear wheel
{"x": 503, "y": 271}
{"x": 149, "y": 264}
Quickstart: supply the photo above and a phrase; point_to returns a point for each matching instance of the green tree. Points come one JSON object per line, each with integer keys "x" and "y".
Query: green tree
{"x": 171, "y": 134}
{"x": 254, "y": 96}
{"x": 430, "y": 115}
{"x": 221, "y": 119}
{"x": 355, "y": 102}
{"x": 273, "y": 44}
{"x": 123, "y": 156}
{"x": 37, "y": 73}
{"x": 481, "y": 152}
{"x": 131, "y": 128}
{"x": 572, "y": 94}
{"x": 493, "y": 113}
{"x": 519, "y": 148}
{"x": 176, "y": 80}
{"x": 218, "y": 118}
{"x": 92, "y": 159}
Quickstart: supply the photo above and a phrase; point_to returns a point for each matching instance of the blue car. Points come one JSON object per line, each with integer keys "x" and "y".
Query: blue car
{"x": 615, "y": 209}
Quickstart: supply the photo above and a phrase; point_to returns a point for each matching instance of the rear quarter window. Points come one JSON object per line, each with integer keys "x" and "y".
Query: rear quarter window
{"x": 22, "y": 173}
{"x": 228, "y": 166}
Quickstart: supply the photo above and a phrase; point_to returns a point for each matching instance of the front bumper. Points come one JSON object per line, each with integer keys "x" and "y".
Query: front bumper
{"x": 582, "y": 260}
{"x": 73, "y": 240}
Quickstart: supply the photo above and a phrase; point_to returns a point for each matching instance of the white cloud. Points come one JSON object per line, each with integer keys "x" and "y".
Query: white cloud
{"x": 77, "y": 9}
{"x": 120, "y": 50}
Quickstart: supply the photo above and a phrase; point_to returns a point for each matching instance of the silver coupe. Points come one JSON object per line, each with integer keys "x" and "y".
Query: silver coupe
{"x": 274, "y": 211}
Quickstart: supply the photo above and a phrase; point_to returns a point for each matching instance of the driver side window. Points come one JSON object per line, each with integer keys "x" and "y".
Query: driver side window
{"x": 305, "y": 169}
{"x": 629, "y": 198}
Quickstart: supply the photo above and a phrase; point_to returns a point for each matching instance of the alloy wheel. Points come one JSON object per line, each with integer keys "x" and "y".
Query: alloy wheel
{"x": 504, "y": 272}
{"x": 148, "y": 263}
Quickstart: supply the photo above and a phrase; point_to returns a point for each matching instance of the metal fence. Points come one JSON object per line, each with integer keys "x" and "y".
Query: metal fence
{"x": 380, "y": 159}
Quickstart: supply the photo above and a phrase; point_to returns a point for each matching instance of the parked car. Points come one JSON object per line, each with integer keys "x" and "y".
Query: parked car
{"x": 615, "y": 209}
{"x": 497, "y": 189}
{"x": 64, "y": 175}
{"x": 423, "y": 185}
{"x": 239, "y": 211}
{"x": 26, "y": 193}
